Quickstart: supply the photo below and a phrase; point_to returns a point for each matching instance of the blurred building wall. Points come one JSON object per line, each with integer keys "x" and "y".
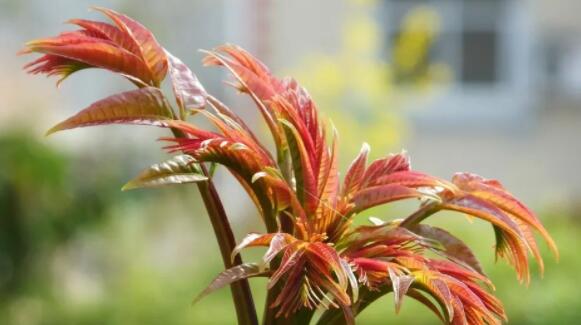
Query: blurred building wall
{"x": 519, "y": 124}
{"x": 511, "y": 116}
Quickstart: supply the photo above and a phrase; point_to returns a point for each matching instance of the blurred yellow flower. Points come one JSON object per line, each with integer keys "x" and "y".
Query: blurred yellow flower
{"x": 355, "y": 87}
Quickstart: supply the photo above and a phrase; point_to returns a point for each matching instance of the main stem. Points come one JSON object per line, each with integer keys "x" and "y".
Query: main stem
{"x": 241, "y": 294}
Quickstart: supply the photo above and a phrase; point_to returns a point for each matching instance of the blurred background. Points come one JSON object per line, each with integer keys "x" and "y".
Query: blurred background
{"x": 487, "y": 86}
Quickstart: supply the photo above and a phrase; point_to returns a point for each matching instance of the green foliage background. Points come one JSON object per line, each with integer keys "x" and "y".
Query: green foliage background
{"x": 74, "y": 250}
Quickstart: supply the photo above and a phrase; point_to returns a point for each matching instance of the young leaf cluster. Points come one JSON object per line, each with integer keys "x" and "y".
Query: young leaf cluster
{"x": 315, "y": 258}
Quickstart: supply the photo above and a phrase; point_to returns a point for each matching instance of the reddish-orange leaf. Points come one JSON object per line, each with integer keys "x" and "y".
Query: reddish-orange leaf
{"x": 149, "y": 49}
{"x": 454, "y": 248}
{"x": 377, "y": 195}
{"x": 110, "y": 32}
{"x": 93, "y": 52}
{"x": 55, "y": 66}
{"x": 414, "y": 179}
{"x": 290, "y": 259}
{"x": 354, "y": 175}
{"x": 421, "y": 298}
{"x": 510, "y": 240}
{"x": 492, "y": 191}
{"x": 253, "y": 76}
{"x": 385, "y": 166}
{"x": 259, "y": 88}
{"x": 438, "y": 288}
{"x": 231, "y": 275}
{"x": 146, "y": 106}
{"x": 327, "y": 213}
{"x": 253, "y": 240}
{"x": 303, "y": 170}
{"x": 225, "y": 111}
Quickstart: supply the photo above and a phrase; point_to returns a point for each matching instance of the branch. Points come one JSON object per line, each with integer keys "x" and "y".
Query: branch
{"x": 241, "y": 294}
{"x": 421, "y": 214}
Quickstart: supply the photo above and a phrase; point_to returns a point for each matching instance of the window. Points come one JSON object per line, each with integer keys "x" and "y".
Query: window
{"x": 479, "y": 57}
{"x": 468, "y": 38}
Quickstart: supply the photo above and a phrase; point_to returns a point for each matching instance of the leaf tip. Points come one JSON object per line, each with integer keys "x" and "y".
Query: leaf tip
{"x": 258, "y": 176}
{"x": 365, "y": 147}
{"x": 197, "y": 299}
{"x": 24, "y": 51}
{"x": 128, "y": 187}
{"x": 52, "y": 130}
{"x": 97, "y": 8}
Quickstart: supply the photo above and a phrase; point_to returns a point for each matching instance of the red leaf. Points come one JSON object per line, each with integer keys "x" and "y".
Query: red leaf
{"x": 94, "y": 52}
{"x": 253, "y": 76}
{"x": 303, "y": 170}
{"x": 328, "y": 186}
{"x": 439, "y": 289}
{"x": 253, "y": 240}
{"x": 454, "y": 248}
{"x": 355, "y": 172}
{"x": 149, "y": 49}
{"x": 413, "y": 179}
{"x": 420, "y": 297}
{"x": 110, "y": 32}
{"x": 229, "y": 276}
{"x": 55, "y": 66}
{"x": 258, "y": 87}
{"x": 146, "y": 106}
{"x": 377, "y": 195}
{"x": 290, "y": 259}
{"x": 507, "y": 230}
{"x": 493, "y": 192}
{"x": 385, "y": 166}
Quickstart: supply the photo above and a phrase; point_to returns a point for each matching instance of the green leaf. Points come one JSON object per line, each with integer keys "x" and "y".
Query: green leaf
{"x": 146, "y": 106}
{"x": 178, "y": 170}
